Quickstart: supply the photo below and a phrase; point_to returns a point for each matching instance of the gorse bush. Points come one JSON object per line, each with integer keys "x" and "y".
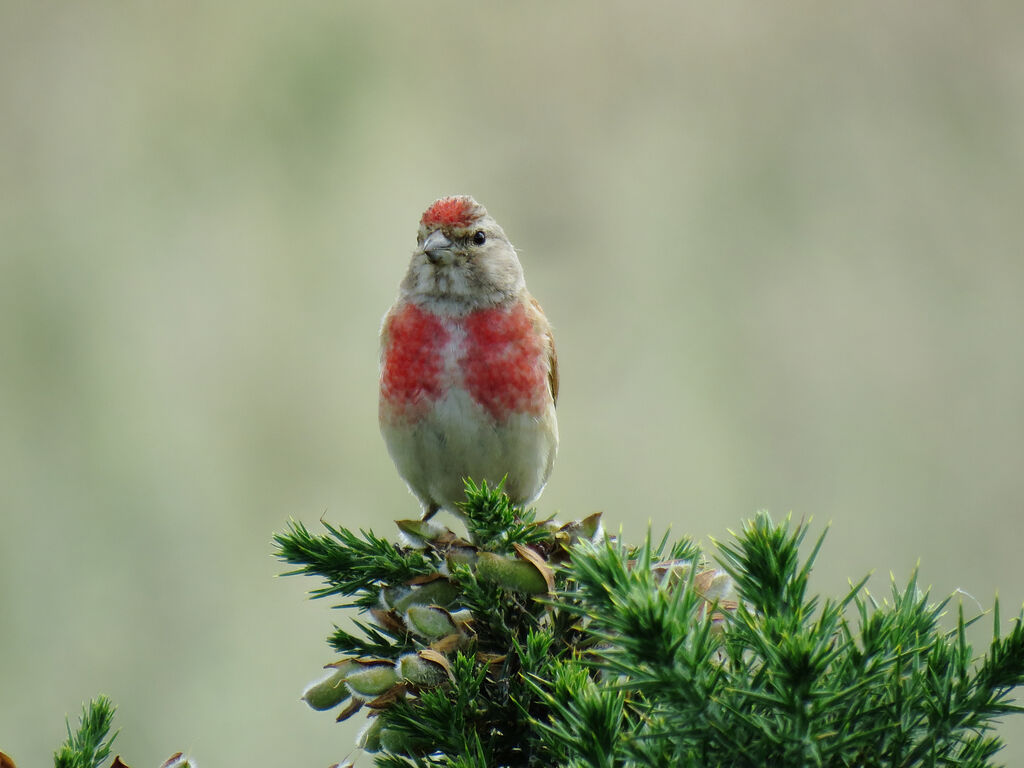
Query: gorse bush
{"x": 537, "y": 644}
{"x": 533, "y": 643}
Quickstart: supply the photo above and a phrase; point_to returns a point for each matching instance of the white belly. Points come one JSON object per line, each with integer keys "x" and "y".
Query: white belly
{"x": 457, "y": 439}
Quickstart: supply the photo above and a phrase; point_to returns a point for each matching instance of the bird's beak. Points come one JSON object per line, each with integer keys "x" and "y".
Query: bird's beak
{"x": 437, "y": 247}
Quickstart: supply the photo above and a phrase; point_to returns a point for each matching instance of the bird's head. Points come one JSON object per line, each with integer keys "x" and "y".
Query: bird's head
{"x": 463, "y": 260}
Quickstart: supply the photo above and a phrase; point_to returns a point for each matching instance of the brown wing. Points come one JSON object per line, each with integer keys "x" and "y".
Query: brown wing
{"x": 552, "y": 355}
{"x": 553, "y": 368}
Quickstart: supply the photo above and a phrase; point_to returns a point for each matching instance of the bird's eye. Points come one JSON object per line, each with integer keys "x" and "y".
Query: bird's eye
{"x": 479, "y": 238}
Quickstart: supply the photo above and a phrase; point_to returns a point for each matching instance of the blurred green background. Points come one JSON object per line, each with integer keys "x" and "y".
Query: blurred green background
{"x": 782, "y": 246}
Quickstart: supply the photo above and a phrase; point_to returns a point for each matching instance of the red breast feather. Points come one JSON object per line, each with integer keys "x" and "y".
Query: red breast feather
{"x": 412, "y": 365}
{"x": 503, "y": 366}
{"x": 501, "y": 363}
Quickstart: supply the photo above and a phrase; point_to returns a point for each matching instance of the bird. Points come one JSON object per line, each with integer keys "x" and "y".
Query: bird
{"x": 468, "y": 369}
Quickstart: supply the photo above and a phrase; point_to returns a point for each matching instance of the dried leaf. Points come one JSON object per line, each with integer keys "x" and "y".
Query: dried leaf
{"x": 591, "y": 526}
{"x": 343, "y": 664}
{"x": 702, "y": 581}
{"x": 388, "y": 698}
{"x": 447, "y": 644}
{"x": 425, "y": 578}
{"x": 350, "y": 710}
{"x": 389, "y": 620}
{"x": 491, "y": 658}
{"x": 429, "y": 654}
{"x": 532, "y": 557}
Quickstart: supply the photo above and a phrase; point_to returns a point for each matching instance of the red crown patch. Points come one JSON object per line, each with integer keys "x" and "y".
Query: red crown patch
{"x": 453, "y": 211}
